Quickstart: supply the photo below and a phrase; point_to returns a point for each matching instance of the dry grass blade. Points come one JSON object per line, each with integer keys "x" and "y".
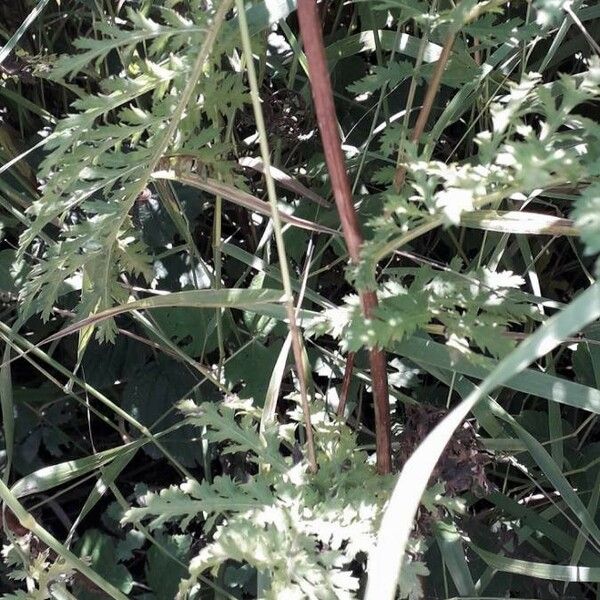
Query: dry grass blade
{"x": 240, "y": 198}
{"x": 285, "y": 180}
{"x": 514, "y": 221}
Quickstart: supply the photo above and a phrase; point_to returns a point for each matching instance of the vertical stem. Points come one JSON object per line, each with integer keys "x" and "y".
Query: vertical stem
{"x": 346, "y": 384}
{"x": 285, "y": 274}
{"x": 425, "y": 111}
{"x": 218, "y": 260}
{"x": 310, "y": 27}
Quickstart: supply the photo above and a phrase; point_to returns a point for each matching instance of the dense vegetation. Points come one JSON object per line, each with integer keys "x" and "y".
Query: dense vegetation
{"x": 198, "y": 350}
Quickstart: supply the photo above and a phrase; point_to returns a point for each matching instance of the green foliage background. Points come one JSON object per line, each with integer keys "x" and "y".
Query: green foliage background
{"x": 150, "y": 405}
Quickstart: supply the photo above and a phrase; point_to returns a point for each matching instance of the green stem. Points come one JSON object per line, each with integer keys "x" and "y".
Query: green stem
{"x": 28, "y": 522}
{"x": 277, "y": 229}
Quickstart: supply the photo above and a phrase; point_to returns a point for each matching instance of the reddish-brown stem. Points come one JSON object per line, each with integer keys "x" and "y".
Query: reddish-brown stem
{"x": 346, "y": 384}
{"x": 310, "y": 29}
{"x": 425, "y": 111}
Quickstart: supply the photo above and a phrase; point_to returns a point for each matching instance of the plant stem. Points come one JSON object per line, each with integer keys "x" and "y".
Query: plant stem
{"x": 310, "y": 27}
{"x": 346, "y": 384}
{"x": 425, "y": 111}
{"x": 285, "y": 275}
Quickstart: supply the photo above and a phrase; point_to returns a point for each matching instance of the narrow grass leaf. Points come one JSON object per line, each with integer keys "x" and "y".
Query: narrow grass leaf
{"x": 106, "y": 479}
{"x": 529, "y": 381}
{"x": 47, "y": 478}
{"x": 451, "y": 548}
{"x": 246, "y": 299}
{"x": 514, "y": 221}
{"x": 592, "y": 507}
{"x": 386, "y": 559}
{"x": 272, "y": 395}
{"x": 28, "y": 522}
{"x": 8, "y": 414}
{"x": 569, "y": 573}
{"x": 18, "y": 34}
{"x": 552, "y": 471}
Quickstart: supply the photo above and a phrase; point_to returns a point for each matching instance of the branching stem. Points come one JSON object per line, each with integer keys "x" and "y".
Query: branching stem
{"x": 425, "y": 111}
{"x": 310, "y": 27}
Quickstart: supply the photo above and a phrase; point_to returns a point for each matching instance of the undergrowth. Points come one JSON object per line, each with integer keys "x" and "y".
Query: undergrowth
{"x": 155, "y": 434}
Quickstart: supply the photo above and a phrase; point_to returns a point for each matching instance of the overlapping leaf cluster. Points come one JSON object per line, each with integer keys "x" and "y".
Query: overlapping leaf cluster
{"x": 301, "y": 531}
{"x": 29, "y": 562}
{"x": 102, "y": 156}
{"x": 469, "y": 308}
{"x": 540, "y": 140}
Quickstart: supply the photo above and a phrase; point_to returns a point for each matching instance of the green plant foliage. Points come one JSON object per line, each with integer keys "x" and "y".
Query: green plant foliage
{"x": 100, "y": 551}
{"x": 172, "y": 462}
{"x": 102, "y": 156}
{"x": 276, "y": 520}
{"x": 472, "y": 307}
{"x": 513, "y": 160}
{"x": 26, "y": 563}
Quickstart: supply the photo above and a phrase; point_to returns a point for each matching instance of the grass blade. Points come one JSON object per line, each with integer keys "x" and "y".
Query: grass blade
{"x": 569, "y": 573}
{"x": 8, "y": 415}
{"x": 386, "y": 559}
{"x": 50, "y": 477}
{"x": 453, "y": 553}
{"x": 532, "y": 382}
{"x": 14, "y": 40}
{"x": 28, "y": 522}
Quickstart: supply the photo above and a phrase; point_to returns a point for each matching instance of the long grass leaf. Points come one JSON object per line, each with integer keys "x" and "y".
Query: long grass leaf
{"x": 47, "y": 478}
{"x": 386, "y": 559}
{"x": 528, "y": 381}
{"x": 452, "y": 550}
{"x": 569, "y": 573}
{"x": 18, "y": 34}
{"x": 8, "y": 415}
{"x": 28, "y": 522}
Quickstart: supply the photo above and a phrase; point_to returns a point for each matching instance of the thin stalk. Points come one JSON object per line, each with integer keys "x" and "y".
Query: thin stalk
{"x": 310, "y": 27}
{"x": 380, "y": 103}
{"x": 425, "y": 111}
{"x": 218, "y": 260}
{"x": 277, "y": 230}
{"x": 412, "y": 90}
{"x": 27, "y": 521}
{"x": 346, "y": 384}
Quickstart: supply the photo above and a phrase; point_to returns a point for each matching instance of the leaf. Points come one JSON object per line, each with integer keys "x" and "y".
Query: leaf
{"x": 243, "y": 436}
{"x": 221, "y": 298}
{"x": 53, "y": 476}
{"x": 162, "y": 572}
{"x": 568, "y": 573}
{"x": 189, "y": 500}
{"x": 529, "y": 381}
{"x": 100, "y": 549}
{"x": 390, "y": 75}
{"x": 193, "y": 331}
{"x": 272, "y": 393}
{"x": 150, "y": 395}
{"x": 586, "y": 215}
{"x": 253, "y": 367}
{"x": 454, "y": 557}
{"x": 8, "y": 413}
{"x": 386, "y": 560}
